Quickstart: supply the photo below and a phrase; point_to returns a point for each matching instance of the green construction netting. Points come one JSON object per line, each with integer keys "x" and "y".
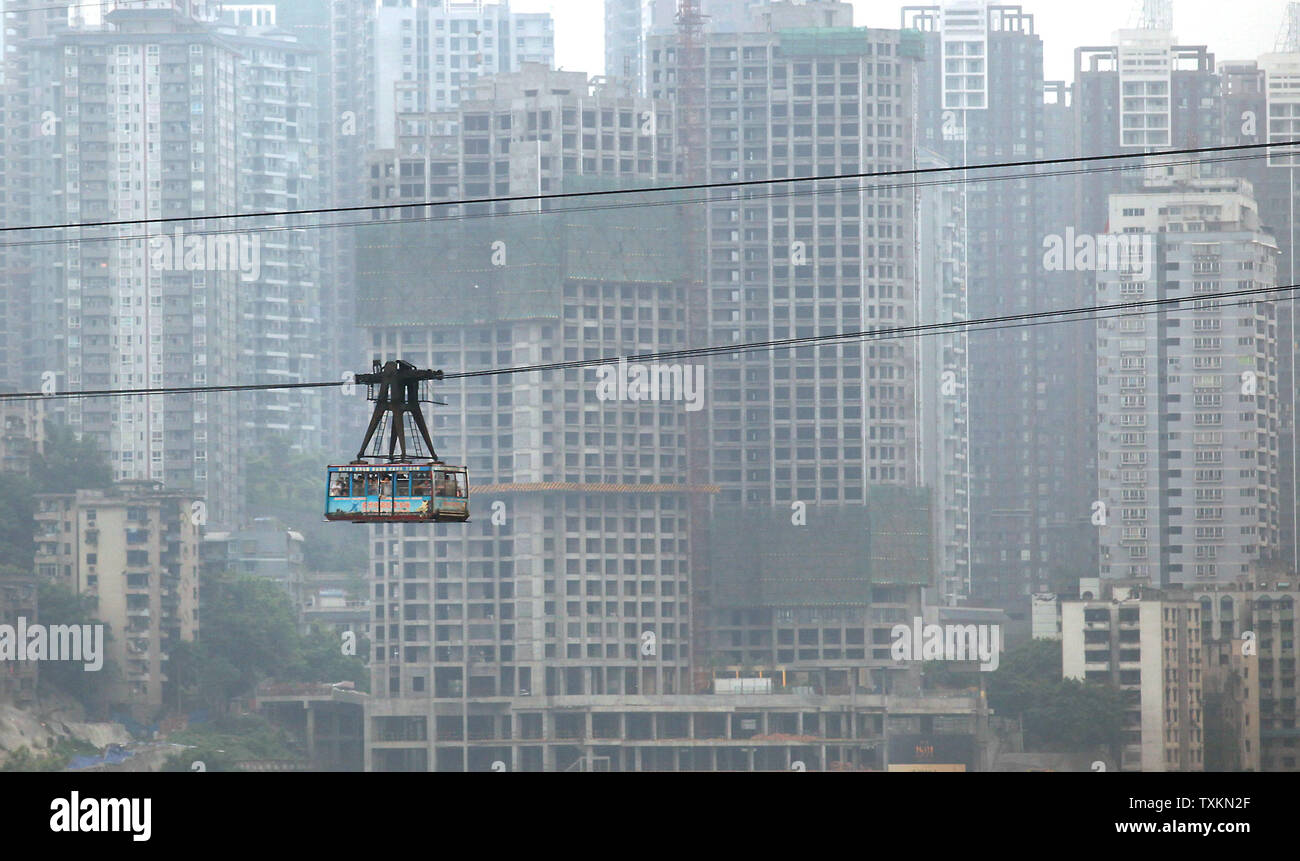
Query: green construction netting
{"x": 487, "y": 270}
{"x": 760, "y": 558}
{"x": 825, "y": 41}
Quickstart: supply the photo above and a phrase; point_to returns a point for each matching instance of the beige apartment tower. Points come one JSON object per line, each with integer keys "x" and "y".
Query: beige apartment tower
{"x": 135, "y": 549}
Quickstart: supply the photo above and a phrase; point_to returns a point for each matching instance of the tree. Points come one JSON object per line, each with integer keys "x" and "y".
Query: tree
{"x": 290, "y": 486}
{"x": 1074, "y": 715}
{"x": 1058, "y": 713}
{"x": 321, "y": 659}
{"x": 58, "y": 605}
{"x": 69, "y": 463}
{"x": 18, "y": 524}
{"x": 224, "y": 743}
{"x": 23, "y": 759}
{"x": 250, "y": 633}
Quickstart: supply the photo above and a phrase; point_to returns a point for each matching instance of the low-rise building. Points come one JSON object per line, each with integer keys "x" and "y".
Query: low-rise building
{"x": 1232, "y": 736}
{"x": 135, "y": 549}
{"x": 18, "y": 600}
{"x": 264, "y": 548}
{"x": 1258, "y": 611}
{"x": 332, "y": 602}
{"x": 22, "y": 434}
{"x": 1148, "y": 644}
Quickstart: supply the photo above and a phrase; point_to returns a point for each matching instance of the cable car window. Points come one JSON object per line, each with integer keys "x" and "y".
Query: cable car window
{"x": 385, "y": 484}
{"x": 339, "y": 485}
{"x": 401, "y": 484}
{"x": 421, "y": 482}
{"x": 458, "y": 481}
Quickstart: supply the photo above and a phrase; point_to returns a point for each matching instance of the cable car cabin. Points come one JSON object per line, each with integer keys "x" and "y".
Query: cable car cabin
{"x": 397, "y": 493}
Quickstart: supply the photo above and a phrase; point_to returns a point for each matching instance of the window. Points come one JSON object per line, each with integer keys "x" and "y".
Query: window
{"x": 450, "y": 484}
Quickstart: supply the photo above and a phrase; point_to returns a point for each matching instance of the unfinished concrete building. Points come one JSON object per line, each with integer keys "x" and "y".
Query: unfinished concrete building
{"x": 718, "y": 732}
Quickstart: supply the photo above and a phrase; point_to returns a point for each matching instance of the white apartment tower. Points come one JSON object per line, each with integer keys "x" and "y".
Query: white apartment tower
{"x": 141, "y": 125}
{"x": 428, "y": 52}
{"x": 1150, "y": 647}
{"x": 1187, "y": 396}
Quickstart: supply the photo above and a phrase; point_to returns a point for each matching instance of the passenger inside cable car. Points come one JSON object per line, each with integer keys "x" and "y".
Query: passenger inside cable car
{"x": 389, "y": 493}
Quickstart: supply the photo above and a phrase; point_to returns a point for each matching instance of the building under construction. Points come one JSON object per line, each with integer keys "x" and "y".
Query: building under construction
{"x": 574, "y": 578}
{"x": 567, "y": 619}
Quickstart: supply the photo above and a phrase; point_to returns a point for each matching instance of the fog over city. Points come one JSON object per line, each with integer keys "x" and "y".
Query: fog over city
{"x": 632, "y": 386}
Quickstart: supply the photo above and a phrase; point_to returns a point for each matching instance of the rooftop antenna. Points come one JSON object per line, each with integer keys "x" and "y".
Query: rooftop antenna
{"x": 1288, "y": 38}
{"x": 1154, "y": 14}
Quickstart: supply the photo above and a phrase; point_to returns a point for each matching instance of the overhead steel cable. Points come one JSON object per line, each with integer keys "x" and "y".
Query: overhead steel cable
{"x": 63, "y": 7}
{"x": 1013, "y": 321}
{"x": 740, "y": 183}
{"x": 882, "y": 334}
{"x": 775, "y": 195}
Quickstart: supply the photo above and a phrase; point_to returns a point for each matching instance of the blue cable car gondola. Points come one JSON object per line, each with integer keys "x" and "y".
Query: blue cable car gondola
{"x": 402, "y": 488}
{"x": 397, "y": 493}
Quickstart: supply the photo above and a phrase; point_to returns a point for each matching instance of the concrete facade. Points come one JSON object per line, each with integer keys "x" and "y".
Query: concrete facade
{"x": 144, "y": 127}
{"x": 1151, "y": 649}
{"x": 135, "y": 549}
{"x": 1189, "y": 443}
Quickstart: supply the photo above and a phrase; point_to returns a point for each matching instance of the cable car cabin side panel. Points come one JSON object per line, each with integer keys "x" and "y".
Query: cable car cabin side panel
{"x": 397, "y": 493}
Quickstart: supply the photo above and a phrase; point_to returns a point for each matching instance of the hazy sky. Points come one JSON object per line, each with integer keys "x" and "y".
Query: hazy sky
{"x": 1238, "y": 30}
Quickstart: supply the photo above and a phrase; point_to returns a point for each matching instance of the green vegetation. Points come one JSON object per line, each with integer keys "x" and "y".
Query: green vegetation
{"x": 59, "y": 605}
{"x": 68, "y": 465}
{"x": 249, "y": 633}
{"x": 1221, "y": 754}
{"x": 1058, "y": 714}
{"x": 17, "y": 527}
{"x": 222, "y": 744}
{"x": 941, "y": 674}
{"x": 55, "y": 759}
{"x": 289, "y": 485}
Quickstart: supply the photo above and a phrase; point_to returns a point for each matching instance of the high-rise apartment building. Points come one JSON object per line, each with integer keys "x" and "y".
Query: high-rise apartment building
{"x": 142, "y": 125}
{"x": 628, "y": 24}
{"x": 23, "y": 118}
{"x": 944, "y": 415}
{"x": 1261, "y": 104}
{"x": 1188, "y": 397}
{"x": 815, "y": 437}
{"x": 1144, "y": 93}
{"x": 815, "y": 424}
{"x": 981, "y": 100}
{"x": 281, "y": 323}
{"x": 386, "y": 59}
{"x": 573, "y": 580}
{"x": 428, "y": 52}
